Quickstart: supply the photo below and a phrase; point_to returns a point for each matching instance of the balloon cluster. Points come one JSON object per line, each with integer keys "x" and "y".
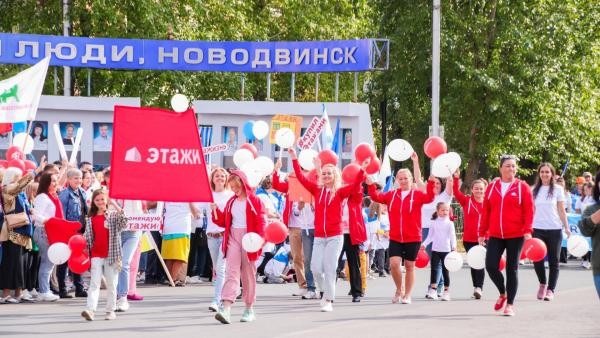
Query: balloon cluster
{"x": 16, "y": 158}
{"x": 362, "y": 152}
{"x": 67, "y": 245}
{"x": 275, "y": 232}
{"x": 255, "y": 130}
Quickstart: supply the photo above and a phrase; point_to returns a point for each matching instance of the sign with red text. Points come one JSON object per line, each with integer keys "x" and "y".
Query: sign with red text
{"x": 217, "y": 148}
{"x": 314, "y": 129}
{"x": 157, "y": 156}
{"x": 144, "y": 222}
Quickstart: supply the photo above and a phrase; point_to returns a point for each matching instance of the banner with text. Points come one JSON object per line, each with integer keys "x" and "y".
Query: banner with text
{"x": 156, "y": 156}
{"x": 211, "y": 56}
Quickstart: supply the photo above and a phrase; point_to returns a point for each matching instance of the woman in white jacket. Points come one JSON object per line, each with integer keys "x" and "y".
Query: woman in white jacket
{"x": 46, "y": 205}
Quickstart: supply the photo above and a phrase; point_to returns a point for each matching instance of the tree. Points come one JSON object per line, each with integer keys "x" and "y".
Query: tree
{"x": 516, "y": 77}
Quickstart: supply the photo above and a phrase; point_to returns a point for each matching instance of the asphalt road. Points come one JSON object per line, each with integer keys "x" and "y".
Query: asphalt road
{"x": 182, "y": 312}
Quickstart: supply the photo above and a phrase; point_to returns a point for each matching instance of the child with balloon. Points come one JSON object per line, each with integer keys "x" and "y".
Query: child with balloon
{"x": 103, "y": 236}
{"x": 243, "y": 214}
{"x": 442, "y": 236}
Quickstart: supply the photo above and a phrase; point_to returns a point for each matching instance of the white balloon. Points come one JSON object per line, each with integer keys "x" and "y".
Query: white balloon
{"x": 476, "y": 257}
{"x": 285, "y": 137}
{"x": 58, "y": 253}
{"x": 253, "y": 173}
{"x": 252, "y": 242}
{"x": 577, "y": 246}
{"x": 21, "y": 139}
{"x": 260, "y": 129}
{"x": 265, "y": 165}
{"x": 306, "y": 158}
{"x": 241, "y": 157}
{"x": 445, "y": 165}
{"x": 399, "y": 150}
{"x": 453, "y": 261}
{"x": 180, "y": 103}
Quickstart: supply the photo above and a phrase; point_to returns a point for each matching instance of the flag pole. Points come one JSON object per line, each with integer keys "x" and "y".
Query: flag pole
{"x": 28, "y": 130}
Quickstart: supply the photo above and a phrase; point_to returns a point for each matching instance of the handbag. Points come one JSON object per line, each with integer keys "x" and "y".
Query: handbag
{"x": 16, "y": 220}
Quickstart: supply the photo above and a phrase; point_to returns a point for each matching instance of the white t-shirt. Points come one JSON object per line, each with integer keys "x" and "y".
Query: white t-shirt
{"x": 504, "y": 187}
{"x": 178, "y": 218}
{"x": 304, "y": 219}
{"x": 220, "y": 198}
{"x": 428, "y": 209}
{"x": 581, "y": 205}
{"x": 546, "y": 211}
{"x": 238, "y": 214}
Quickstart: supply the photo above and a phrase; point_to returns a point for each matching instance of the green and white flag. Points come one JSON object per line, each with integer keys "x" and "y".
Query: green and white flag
{"x": 20, "y": 94}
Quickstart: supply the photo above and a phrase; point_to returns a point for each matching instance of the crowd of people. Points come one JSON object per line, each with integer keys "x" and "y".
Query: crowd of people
{"x": 355, "y": 230}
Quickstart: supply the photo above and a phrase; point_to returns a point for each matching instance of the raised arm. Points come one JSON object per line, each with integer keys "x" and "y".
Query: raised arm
{"x": 417, "y": 171}
{"x": 279, "y": 185}
{"x": 375, "y": 195}
{"x": 460, "y": 197}
{"x": 309, "y": 185}
{"x": 16, "y": 188}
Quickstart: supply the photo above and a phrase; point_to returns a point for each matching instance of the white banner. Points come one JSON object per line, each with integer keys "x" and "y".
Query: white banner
{"x": 215, "y": 149}
{"x": 145, "y": 222}
{"x": 20, "y": 94}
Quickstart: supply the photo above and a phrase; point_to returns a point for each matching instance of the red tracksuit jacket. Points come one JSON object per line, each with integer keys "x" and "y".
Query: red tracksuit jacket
{"x": 508, "y": 216}
{"x": 472, "y": 211}
{"x": 405, "y": 214}
{"x": 328, "y": 206}
{"x": 256, "y": 218}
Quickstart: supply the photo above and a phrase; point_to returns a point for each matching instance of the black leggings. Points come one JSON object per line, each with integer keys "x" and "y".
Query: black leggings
{"x": 495, "y": 248}
{"x": 437, "y": 258}
{"x": 477, "y": 276}
{"x": 353, "y": 260}
{"x": 553, "y": 240}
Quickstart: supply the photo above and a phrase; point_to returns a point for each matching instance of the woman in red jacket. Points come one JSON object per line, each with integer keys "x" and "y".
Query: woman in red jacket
{"x": 507, "y": 220}
{"x": 243, "y": 213}
{"x": 472, "y": 206}
{"x": 328, "y": 196}
{"x": 404, "y": 206}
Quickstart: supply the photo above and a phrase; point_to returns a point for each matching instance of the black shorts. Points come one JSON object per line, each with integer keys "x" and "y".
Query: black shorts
{"x": 408, "y": 251}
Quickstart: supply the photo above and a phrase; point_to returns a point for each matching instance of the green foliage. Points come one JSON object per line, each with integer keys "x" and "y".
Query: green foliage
{"x": 212, "y": 20}
{"x": 517, "y": 77}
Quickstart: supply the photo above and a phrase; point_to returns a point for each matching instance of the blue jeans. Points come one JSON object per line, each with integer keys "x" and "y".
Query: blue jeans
{"x": 40, "y": 238}
{"x": 218, "y": 262}
{"x": 308, "y": 239}
{"x": 129, "y": 243}
{"x": 597, "y": 283}
{"x": 424, "y": 233}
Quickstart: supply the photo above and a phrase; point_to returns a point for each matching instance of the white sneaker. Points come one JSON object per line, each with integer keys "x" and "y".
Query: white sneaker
{"x": 193, "y": 280}
{"x": 310, "y": 295}
{"x": 48, "y": 297}
{"x": 327, "y": 307}
{"x": 26, "y": 297}
{"x": 406, "y": 300}
{"x": 477, "y": 293}
{"x": 446, "y": 296}
{"x": 432, "y": 294}
{"x": 213, "y": 307}
{"x": 300, "y": 292}
{"x": 122, "y": 304}
{"x": 34, "y": 293}
{"x": 110, "y": 316}
{"x": 586, "y": 265}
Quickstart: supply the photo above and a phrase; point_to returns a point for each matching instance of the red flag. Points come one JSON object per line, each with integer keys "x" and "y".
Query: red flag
{"x": 157, "y": 156}
{"x": 5, "y": 127}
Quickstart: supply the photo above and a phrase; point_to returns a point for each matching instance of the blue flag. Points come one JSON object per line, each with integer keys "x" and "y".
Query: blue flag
{"x": 335, "y": 146}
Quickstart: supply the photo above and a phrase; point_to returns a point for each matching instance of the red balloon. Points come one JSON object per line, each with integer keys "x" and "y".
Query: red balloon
{"x": 60, "y": 231}
{"x": 79, "y": 263}
{"x": 422, "y": 259}
{"x": 374, "y": 166}
{"x": 328, "y": 156}
{"x": 4, "y": 163}
{"x": 363, "y": 151}
{"x": 350, "y": 172}
{"x": 502, "y": 263}
{"x": 250, "y": 147}
{"x": 16, "y": 163}
{"x": 14, "y": 152}
{"x": 30, "y": 165}
{"x": 535, "y": 249}
{"x": 434, "y": 147}
{"x": 77, "y": 244}
{"x": 276, "y": 232}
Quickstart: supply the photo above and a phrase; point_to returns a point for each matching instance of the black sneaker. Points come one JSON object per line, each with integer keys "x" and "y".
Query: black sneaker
{"x": 382, "y": 274}
{"x": 65, "y": 294}
{"x": 81, "y": 293}
{"x": 355, "y": 299}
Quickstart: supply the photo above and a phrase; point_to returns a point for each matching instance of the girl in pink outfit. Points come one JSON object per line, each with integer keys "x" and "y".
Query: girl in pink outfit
{"x": 243, "y": 213}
